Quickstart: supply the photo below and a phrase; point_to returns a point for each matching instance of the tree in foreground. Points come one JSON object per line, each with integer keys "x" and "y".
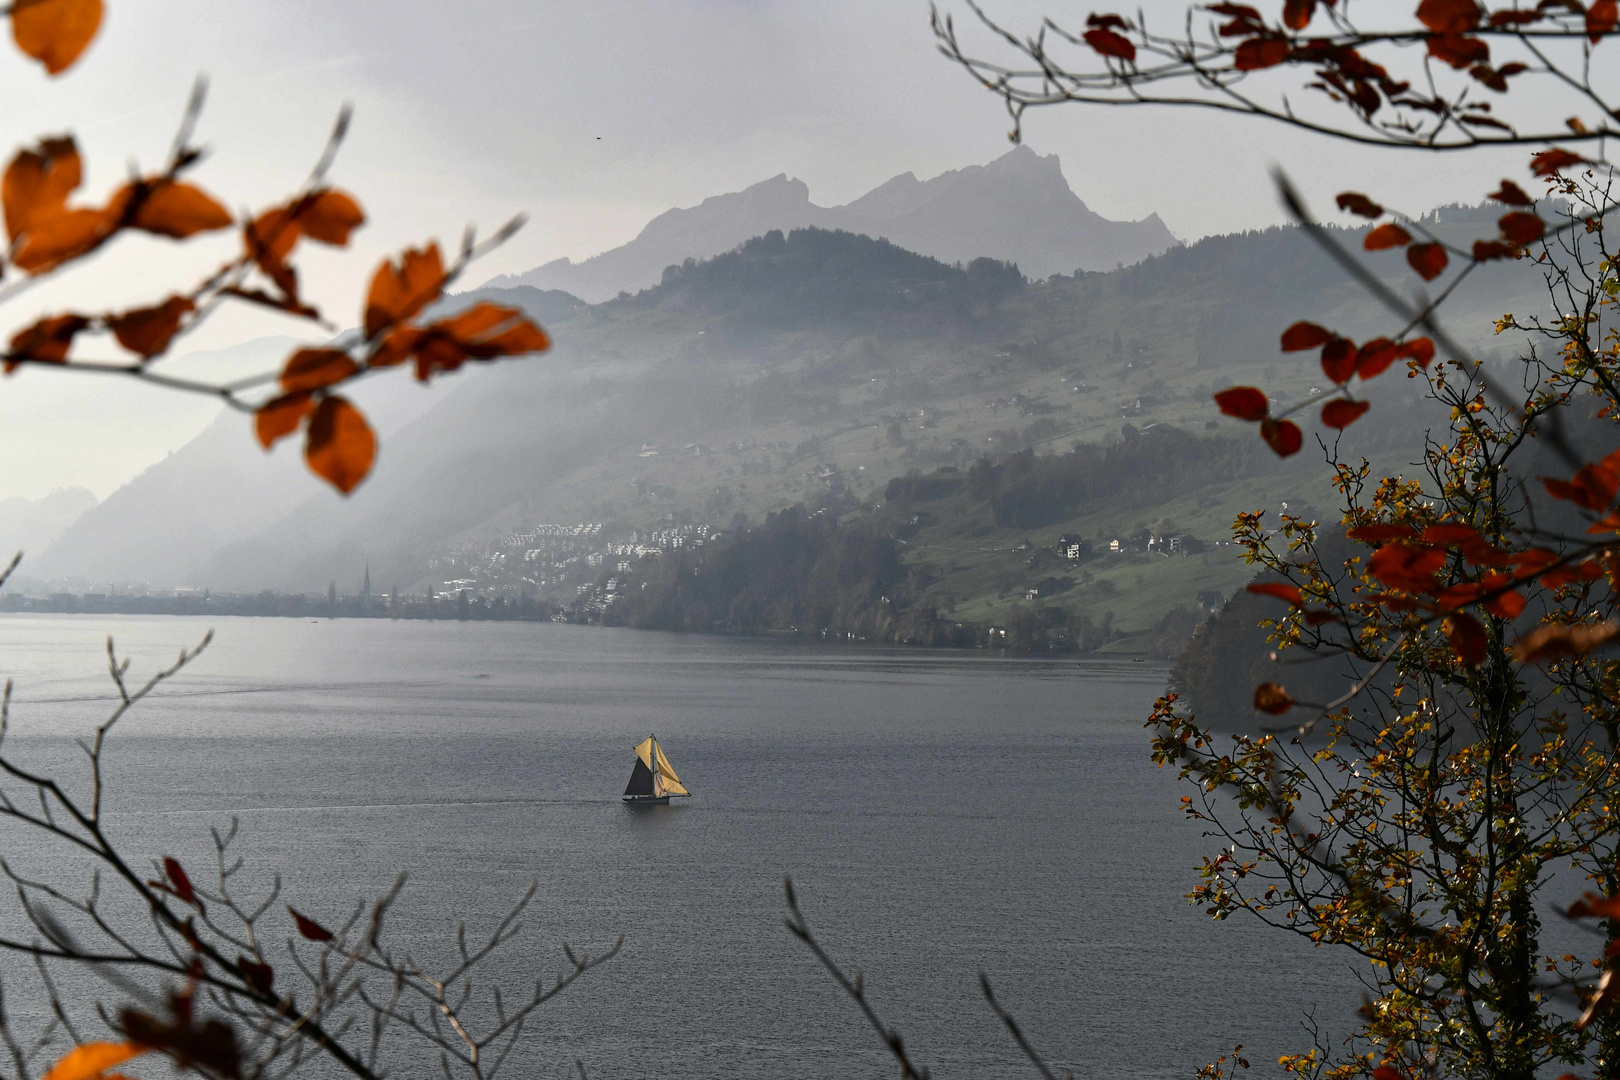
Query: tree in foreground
{"x": 216, "y": 972}
{"x": 1426, "y": 817}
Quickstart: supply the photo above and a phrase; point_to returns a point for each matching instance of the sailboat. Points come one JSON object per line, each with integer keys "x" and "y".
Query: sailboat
{"x": 652, "y": 778}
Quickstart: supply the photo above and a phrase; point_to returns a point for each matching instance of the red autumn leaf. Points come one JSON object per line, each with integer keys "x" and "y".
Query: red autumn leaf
{"x": 1407, "y": 567}
{"x": 1453, "y": 535}
{"x": 1593, "y": 906}
{"x": 1341, "y": 413}
{"x": 1467, "y": 638}
{"x": 1381, "y": 533}
{"x": 1511, "y": 194}
{"x": 1243, "y": 402}
{"x": 1108, "y": 43}
{"x": 1387, "y": 1072}
{"x": 1507, "y": 605}
{"x": 38, "y": 182}
{"x": 47, "y": 341}
{"x": 1419, "y": 349}
{"x": 281, "y": 416}
{"x": 170, "y": 208}
{"x": 1297, "y": 14}
{"x": 147, "y": 332}
{"x": 316, "y": 369}
{"x": 1283, "y": 436}
{"x": 399, "y": 292}
{"x": 1304, "y": 335}
{"x": 1259, "y": 53}
{"x": 1555, "y": 160}
{"x": 259, "y": 976}
{"x": 1282, "y": 590}
{"x": 1116, "y": 21}
{"x": 55, "y": 32}
{"x": 1356, "y": 203}
{"x": 1388, "y": 235}
{"x": 1486, "y": 250}
{"x": 1556, "y": 642}
{"x": 1374, "y": 358}
{"x": 340, "y": 446}
{"x": 1601, "y": 18}
{"x": 178, "y": 881}
{"x": 1593, "y": 487}
{"x": 1521, "y": 228}
{"x": 1449, "y": 16}
{"x": 1429, "y": 260}
{"x": 1339, "y": 359}
{"x": 1273, "y": 699}
{"x": 1460, "y": 52}
{"x": 308, "y": 927}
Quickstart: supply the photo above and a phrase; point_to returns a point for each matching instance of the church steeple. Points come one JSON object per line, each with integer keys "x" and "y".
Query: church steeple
{"x": 365, "y": 590}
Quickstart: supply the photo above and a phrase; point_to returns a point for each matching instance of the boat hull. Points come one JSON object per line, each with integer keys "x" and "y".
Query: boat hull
{"x": 647, "y": 800}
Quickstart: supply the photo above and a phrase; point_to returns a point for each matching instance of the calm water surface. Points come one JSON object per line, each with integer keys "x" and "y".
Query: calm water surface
{"x": 942, "y": 815}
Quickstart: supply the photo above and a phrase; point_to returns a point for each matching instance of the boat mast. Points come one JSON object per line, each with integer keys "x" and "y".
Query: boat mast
{"x": 653, "y": 753}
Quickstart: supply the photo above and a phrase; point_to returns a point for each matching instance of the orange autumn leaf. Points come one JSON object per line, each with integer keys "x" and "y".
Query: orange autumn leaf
{"x": 1554, "y": 642}
{"x": 1282, "y": 590}
{"x": 47, "y": 340}
{"x": 63, "y": 237}
{"x": 340, "y": 448}
{"x": 148, "y": 331}
{"x": 170, "y": 208}
{"x": 329, "y": 216}
{"x": 280, "y": 417}
{"x": 38, "y": 182}
{"x": 1388, "y": 235}
{"x": 399, "y": 291}
{"x": 92, "y": 1060}
{"x": 55, "y": 32}
{"x": 316, "y": 369}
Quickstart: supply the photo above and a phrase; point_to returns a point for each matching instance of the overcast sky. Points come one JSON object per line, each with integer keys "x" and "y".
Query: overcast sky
{"x": 590, "y": 118}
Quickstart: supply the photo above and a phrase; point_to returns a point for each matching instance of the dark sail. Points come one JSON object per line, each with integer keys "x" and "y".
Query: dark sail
{"x": 641, "y": 780}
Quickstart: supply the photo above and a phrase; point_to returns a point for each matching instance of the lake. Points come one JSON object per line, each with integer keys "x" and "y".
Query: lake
{"x": 942, "y": 814}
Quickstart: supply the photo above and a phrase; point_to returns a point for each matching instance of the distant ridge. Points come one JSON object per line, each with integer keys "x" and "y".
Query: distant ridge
{"x": 1019, "y": 208}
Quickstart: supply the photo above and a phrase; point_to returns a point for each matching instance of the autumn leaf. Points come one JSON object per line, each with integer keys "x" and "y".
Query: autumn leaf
{"x": 340, "y": 447}
{"x": 1108, "y": 43}
{"x": 1243, "y": 402}
{"x": 47, "y": 341}
{"x": 1404, "y": 566}
{"x": 259, "y": 976}
{"x": 1257, "y": 54}
{"x": 399, "y": 291}
{"x": 1511, "y": 194}
{"x": 1388, "y": 235}
{"x": 1341, "y": 412}
{"x": 1339, "y": 359}
{"x": 1593, "y": 487}
{"x": 1297, "y": 16}
{"x": 1283, "y": 436}
{"x": 91, "y": 1060}
{"x": 1601, "y": 18}
{"x": 1460, "y": 52}
{"x": 1356, "y": 203}
{"x": 1381, "y": 533}
{"x": 329, "y": 216}
{"x": 1467, "y": 638}
{"x": 1449, "y": 16}
{"x": 55, "y": 32}
{"x": 1487, "y": 250}
{"x": 1374, "y": 357}
{"x": 55, "y": 240}
{"x": 1429, "y": 260}
{"x": 148, "y": 331}
{"x": 1507, "y": 605}
{"x": 1521, "y": 228}
{"x": 170, "y": 208}
{"x": 1420, "y": 349}
{"x": 281, "y": 416}
{"x": 1593, "y": 906}
{"x": 1559, "y": 641}
{"x": 38, "y": 182}
{"x": 1304, "y": 335}
{"x": 1273, "y": 699}
{"x": 1282, "y": 590}
{"x": 1555, "y": 160}
{"x": 308, "y": 927}
{"x": 316, "y": 369}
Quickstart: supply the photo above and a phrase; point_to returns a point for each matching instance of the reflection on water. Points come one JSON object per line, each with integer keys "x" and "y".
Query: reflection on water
{"x": 940, "y": 814}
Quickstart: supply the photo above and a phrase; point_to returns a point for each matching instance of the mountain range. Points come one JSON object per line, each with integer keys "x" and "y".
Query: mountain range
{"x": 1018, "y": 208}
